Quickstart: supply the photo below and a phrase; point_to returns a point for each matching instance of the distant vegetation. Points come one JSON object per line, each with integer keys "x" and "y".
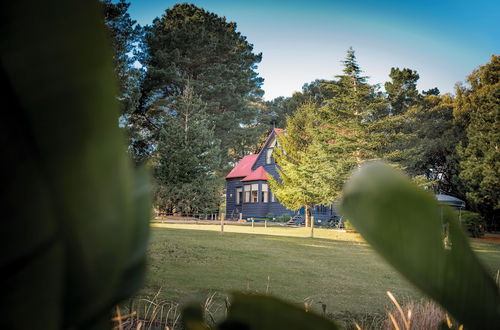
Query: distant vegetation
{"x": 194, "y": 108}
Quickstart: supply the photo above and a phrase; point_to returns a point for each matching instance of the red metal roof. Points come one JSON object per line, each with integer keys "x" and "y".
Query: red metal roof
{"x": 278, "y": 131}
{"x": 243, "y": 168}
{"x": 259, "y": 174}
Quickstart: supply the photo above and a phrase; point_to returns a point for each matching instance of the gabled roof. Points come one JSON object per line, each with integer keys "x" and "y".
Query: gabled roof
{"x": 243, "y": 168}
{"x": 259, "y": 174}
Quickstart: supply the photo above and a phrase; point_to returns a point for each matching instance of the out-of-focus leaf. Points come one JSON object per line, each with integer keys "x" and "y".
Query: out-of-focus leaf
{"x": 269, "y": 313}
{"x": 75, "y": 217}
{"x": 423, "y": 241}
{"x": 192, "y": 318}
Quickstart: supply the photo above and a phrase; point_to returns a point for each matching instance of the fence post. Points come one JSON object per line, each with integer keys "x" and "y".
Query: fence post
{"x": 252, "y": 222}
{"x": 221, "y": 223}
{"x": 312, "y": 227}
{"x": 265, "y": 223}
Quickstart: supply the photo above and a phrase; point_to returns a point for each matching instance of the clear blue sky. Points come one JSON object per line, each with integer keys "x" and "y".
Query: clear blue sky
{"x": 305, "y": 40}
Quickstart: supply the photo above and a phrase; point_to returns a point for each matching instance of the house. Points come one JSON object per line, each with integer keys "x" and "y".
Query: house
{"x": 248, "y": 194}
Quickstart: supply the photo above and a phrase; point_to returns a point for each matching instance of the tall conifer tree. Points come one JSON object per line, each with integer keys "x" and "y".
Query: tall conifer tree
{"x": 189, "y": 44}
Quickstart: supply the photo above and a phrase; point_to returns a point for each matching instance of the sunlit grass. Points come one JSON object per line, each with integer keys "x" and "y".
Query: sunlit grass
{"x": 336, "y": 268}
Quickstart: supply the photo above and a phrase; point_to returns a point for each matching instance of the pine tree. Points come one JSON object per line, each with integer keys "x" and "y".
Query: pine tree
{"x": 186, "y": 157}
{"x": 323, "y": 144}
{"x": 402, "y": 90}
{"x": 123, "y": 34}
{"x": 189, "y": 44}
{"x": 296, "y": 186}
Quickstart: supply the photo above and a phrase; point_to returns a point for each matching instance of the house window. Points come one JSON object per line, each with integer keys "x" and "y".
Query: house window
{"x": 265, "y": 193}
{"x": 272, "y": 198}
{"x": 269, "y": 152}
{"x": 247, "y": 193}
{"x": 269, "y": 156}
{"x": 239, "y": 195}
{"x": 255, "y": 193}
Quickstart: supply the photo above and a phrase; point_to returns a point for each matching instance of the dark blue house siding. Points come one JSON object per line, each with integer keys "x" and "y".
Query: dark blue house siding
{"x": 232, "y": 210}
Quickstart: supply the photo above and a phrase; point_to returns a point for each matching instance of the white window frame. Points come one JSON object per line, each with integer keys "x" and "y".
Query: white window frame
{"x": 264, "y": 193}
{"x": 247, "y": 192}
{"x": 255, "y": 193}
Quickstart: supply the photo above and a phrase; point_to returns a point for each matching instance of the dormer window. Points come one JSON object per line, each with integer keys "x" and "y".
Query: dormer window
{"x": 269, "y": 152}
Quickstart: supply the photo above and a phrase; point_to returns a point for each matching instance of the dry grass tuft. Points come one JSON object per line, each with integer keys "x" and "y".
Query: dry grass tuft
{"x": 151, "y": 313}
{"x": 424, "y": 314}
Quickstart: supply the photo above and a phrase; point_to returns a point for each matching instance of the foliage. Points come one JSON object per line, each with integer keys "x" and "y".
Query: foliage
{"x": 472, "y": 223}
{"x": 78, "y": 215}
{"x": 276, "y": 111}
{"x": 190, "y": 46}
{"x": 270, "y": 216}
{"x": 253, "y": 312}
{"x": 186, "y": 159}
{"x": 478, "y": 109}
{"x": 298, "y": 184}
{"x": 124, "y": 35}
{"x": 428, "y": 249}
{"x": 283, "y": 218}
{"x": 402, "y": 90}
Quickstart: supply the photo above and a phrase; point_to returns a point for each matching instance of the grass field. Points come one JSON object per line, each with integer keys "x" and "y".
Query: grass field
{"x": 339, "y": 269}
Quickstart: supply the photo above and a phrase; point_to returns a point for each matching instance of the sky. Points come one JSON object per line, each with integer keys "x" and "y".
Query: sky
{"x": 301, "y": 41}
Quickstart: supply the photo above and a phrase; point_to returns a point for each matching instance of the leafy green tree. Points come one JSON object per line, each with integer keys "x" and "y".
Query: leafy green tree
{"x": 189, "y": 44}
{"x": 275, "y": 112}
{"x": 428, "y": 144}
{"x": 478, "y": 107}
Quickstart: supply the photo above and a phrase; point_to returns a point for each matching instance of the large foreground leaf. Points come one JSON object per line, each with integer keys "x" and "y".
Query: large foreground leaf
{"x": 423, "y": 241}
{"x": 258, "y": 312}
{"x": 74, "y": 214}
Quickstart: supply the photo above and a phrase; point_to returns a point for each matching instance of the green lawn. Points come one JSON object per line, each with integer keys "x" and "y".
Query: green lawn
{"x": 189, "y": 261}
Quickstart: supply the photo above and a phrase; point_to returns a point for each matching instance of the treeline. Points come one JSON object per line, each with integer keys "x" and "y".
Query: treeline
{"x": 192, "y": 107}
{"x": 447, "y": 143}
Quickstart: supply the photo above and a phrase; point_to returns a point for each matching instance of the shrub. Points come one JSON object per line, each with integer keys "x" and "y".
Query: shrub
{"x": 283, "y": 218}
{"x": 473, "y": 223}
{"x": 270, "y": 216}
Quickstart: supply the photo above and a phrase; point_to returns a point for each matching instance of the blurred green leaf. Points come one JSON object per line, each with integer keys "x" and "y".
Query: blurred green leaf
{"x": 270, "y": 313}
{"x": 423, "y": 241}
{"x": 77, "y": 214}
{"x": 192, "y": 318}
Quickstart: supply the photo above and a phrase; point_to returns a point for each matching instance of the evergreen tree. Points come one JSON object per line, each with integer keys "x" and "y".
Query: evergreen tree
{"x": 397, "y": 122}
{"x": 189, "y": 44}
{"x": 478, "y": 109}
{"x": 186, "y": 157}
{"x": 323, "y": 144}
{"x": 297, "y": 185}
{"x": 123, "y": 34}
{"x": 402, "y": 90}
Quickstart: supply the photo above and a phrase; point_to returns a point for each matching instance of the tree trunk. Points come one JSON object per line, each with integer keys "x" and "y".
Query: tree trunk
{"x": 308, "y": 216}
